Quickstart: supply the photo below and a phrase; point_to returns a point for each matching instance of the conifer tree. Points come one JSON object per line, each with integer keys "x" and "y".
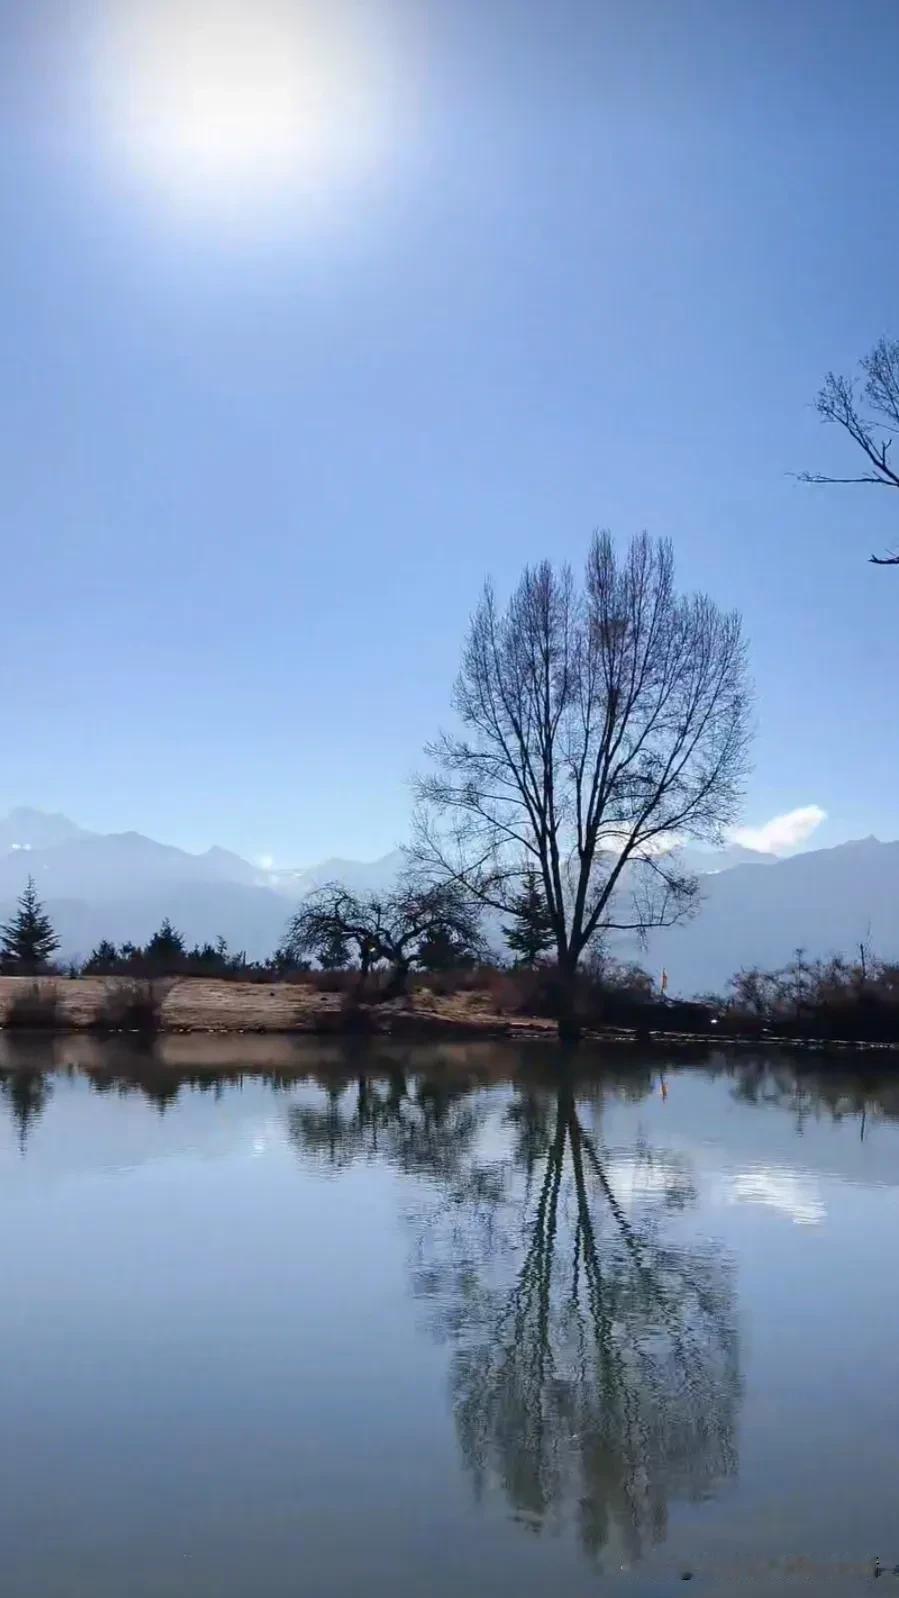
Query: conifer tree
{"x": 166, "y": 950}
{"x": 28, "y": 938}
{"x": 530, "y": 933}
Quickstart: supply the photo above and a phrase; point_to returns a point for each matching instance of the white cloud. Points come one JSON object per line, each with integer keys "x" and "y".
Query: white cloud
{"x": 782, "y": 833}
{"x": 266, "y": 861}
{"x": 795, "y": 1196}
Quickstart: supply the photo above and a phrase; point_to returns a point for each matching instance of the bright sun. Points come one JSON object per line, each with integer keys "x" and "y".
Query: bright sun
{"x": 233, "y": 97}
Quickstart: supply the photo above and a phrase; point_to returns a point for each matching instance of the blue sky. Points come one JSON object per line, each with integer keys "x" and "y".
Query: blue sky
{"x": 260, "y": 448}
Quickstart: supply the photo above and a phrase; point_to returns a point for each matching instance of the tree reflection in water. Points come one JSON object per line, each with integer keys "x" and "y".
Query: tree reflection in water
{"x": 594, "y": 1357}
{"x": 25, "y": 1093}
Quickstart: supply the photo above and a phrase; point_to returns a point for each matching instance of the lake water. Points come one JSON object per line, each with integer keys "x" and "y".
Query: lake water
{"x": 297, "y": 1319}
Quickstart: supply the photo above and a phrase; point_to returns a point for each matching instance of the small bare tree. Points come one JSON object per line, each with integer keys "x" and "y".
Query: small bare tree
{"x": 393, "y": 929}
{"x": 868, "y": 410}
{"x": 600, "y": 725}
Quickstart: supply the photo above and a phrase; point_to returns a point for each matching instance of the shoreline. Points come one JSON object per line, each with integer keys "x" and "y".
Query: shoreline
{"x": 212, "y": 1007}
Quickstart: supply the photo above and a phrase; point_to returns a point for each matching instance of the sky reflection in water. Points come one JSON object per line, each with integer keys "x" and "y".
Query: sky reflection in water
{"x": 444, "y": 1319}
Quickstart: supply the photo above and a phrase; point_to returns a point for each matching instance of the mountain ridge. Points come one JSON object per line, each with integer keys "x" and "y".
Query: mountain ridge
{"x": 756, "y": 908}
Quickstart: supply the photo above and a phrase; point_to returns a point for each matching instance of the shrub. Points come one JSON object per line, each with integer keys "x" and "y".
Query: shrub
{"x": 132, "y": 1007}
{"x": 461, "y": 979}
{"x": 609, "y": 994}
{"x": 328, "y": 981}
{"x": 523, "y": 990}
{"x": 35, "y": 1006}
{"x": 834, "y": 998}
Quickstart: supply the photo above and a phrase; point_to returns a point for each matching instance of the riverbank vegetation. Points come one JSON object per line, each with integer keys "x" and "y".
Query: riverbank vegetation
{"x": 417, "y": 959}
{"x": 824, "y": 1001}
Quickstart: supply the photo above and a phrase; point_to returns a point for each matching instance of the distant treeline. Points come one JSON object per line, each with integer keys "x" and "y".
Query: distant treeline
{"x": 167, "y": 954}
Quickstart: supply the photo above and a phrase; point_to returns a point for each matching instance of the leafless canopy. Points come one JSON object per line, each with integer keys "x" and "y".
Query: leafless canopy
{"x": 868, "y": 410}
{"x": 599, "y": 724}
{"x": 389, "y": 929}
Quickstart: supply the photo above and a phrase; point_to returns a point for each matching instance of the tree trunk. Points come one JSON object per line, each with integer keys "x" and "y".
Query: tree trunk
{"x": 364, "y": 968}
{"x": 399, "y": 979}
{"x": 568, "y": 1021}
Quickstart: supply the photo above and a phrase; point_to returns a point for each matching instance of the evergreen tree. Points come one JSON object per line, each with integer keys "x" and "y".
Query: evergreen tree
{"x": 285, "y": 962}
{"x": 530, "y": 933}
{"x": 334, "y": 952}
{"x": 165, "y": 951}
{"x": 103, "y": 960}
{"x": 28, "y": 939}
{"x": 213, "y": 959}
{"x": 441, "y": 950}
{"x": 202, "y": 960}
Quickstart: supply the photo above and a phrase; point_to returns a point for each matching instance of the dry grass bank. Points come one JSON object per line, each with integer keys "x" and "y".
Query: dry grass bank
{"x": 201, "y": 1004}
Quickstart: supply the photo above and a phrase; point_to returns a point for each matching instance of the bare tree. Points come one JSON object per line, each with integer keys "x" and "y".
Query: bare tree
{"x": 595, "y": 1367}
{"x": 599, "y": 725}
{"x": 393, "y": 929}
{"x": 594, "y": 1356}
{"x": 868, "y": 410}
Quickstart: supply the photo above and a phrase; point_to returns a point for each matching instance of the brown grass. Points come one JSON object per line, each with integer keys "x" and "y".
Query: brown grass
{"x": 206, "y": 1004}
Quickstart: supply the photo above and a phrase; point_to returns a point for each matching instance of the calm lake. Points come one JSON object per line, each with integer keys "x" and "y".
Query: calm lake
{"x": 288, "y": 1318}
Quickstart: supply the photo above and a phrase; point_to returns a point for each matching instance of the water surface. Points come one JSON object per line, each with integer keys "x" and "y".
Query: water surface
{"x": 292, "y": 1318}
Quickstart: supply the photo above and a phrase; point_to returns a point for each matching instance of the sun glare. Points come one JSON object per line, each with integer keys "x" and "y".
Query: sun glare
{"x": 215, "y": 99}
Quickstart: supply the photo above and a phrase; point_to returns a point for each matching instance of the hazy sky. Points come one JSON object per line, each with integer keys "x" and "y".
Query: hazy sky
{"x": 278, "y": 395}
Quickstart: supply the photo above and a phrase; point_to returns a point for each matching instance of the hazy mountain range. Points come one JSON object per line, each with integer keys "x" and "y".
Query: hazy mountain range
{"x": 756, "y": 908}
{"x": 121, "y": 885}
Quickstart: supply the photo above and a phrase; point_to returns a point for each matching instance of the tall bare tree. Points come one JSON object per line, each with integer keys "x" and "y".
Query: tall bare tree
{"x": 599, "y": 724}
{"x": 594, "y": 1355}
{"x": 867, "y": 409}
